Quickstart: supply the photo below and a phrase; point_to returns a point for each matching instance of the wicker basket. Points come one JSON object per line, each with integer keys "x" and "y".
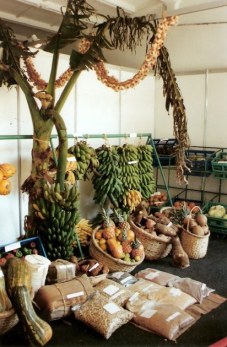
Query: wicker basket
{"x": 154, "y": 247}
{"x": 8, "y": 319}
{"x": 113, "y": 264}
{"x": 195, "y": 246}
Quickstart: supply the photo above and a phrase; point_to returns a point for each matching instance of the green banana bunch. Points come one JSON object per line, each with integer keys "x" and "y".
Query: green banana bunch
{"x": 146, "y": 171}
{"x": 106, "y": 182}
{"x": 57, "y": 213}
{"x": 128, "y": 163}
{"x": 67, "y": 198}
{"x": 85, "y": 157}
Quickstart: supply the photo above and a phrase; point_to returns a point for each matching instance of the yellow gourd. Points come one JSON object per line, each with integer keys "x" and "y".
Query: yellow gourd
{"x": 5, "y": 187}
{"x": 8, "y": 170}
{"x": 1, "y": 176}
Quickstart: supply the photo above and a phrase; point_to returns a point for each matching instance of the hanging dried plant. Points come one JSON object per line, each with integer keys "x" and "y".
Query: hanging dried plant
{"x": 125, "y": 32}
{"x": 12, "y": 52}
{"x": 172, "y": 93}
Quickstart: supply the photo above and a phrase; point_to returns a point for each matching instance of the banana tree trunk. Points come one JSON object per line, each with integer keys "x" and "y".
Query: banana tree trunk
{"x": 41, "y": 153}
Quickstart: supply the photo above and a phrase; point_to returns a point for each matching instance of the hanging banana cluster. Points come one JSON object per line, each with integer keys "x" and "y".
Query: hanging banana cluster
{"x": 106, "y": 182}
{"x": 71, "y": 164}
{"x": 128, "y": 163}
{"x": 132, "y": 199}
{"x": 85, "y": 158}
{"x": 83, "y": 232}
{"x": 57, "y": 213}
{"x": 146, "y": 172}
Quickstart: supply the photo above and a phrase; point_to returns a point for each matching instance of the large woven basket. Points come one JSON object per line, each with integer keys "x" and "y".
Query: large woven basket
{"x": 154, "y": 247}
{"x": 195, "y": 246}
{"x": 113, "y": 264}
{"x": 8, "y": 319}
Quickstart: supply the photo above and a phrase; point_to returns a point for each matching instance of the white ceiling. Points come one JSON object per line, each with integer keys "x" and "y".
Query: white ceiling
{"x": 199, "y": 41}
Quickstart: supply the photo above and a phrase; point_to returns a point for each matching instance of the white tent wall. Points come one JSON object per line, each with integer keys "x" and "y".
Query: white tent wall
{"x": 91, "y": 108}
{"x": 205, "y": 102}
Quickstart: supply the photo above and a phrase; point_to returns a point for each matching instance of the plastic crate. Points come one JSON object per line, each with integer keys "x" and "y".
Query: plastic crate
{"x": 18, "y": 245}
{"x": 166, "y": 152}
{"x": 157, "y": 205}
{"x": 215, "y": 224}
{"x": 219, "y": 165}
{"x": 199, "y": 161}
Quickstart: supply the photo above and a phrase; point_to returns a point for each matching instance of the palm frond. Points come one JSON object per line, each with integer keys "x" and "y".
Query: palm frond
{"x": 13, "y": 50}
{"x": 73, "y": 25}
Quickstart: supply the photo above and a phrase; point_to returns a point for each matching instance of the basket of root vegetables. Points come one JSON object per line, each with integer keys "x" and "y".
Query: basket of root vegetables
{"x": 195, "y": 234}
{"x": 155, "y": 233}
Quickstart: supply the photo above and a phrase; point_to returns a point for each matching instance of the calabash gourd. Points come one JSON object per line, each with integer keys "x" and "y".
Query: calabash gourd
{"x": 18, "y": 286}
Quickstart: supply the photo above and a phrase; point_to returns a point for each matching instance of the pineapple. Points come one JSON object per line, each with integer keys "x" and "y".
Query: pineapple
{"x": 137, "y": 252}
{"x": 123, "y": 225}
{"x": 108, "y": 226}
{"x": 126, "y": 246}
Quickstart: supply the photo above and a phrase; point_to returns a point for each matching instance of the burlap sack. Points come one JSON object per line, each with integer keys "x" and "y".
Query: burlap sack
{"x": 54, "y": 301}
{"x": 60, "y": 270}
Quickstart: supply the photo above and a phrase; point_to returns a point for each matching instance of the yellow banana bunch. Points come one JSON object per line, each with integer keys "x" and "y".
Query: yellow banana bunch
{"x": 132, "y": 199}
{"x": 70, "y": 177}
{"x": 71, "y": 163}
{"x": 83, "y": 230}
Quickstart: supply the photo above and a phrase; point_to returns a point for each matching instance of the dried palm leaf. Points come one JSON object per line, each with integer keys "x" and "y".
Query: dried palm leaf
{"x": 172, "y": 93}
{"x": 12, "y": 52}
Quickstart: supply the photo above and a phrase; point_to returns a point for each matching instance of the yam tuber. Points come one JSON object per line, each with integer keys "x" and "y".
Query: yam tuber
{"x": 180, "y": 257}
{"x": 164, "y": 229}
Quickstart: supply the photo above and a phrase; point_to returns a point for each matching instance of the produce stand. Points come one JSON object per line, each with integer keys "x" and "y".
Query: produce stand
{"x": 23, "y": 246}
{"x": 219, "y": 164}
{"x": 97, "y": 136}
{"x": 165, "y": 150}
{"x": 199, "y": 161}
{"x": 217, "y": 225}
